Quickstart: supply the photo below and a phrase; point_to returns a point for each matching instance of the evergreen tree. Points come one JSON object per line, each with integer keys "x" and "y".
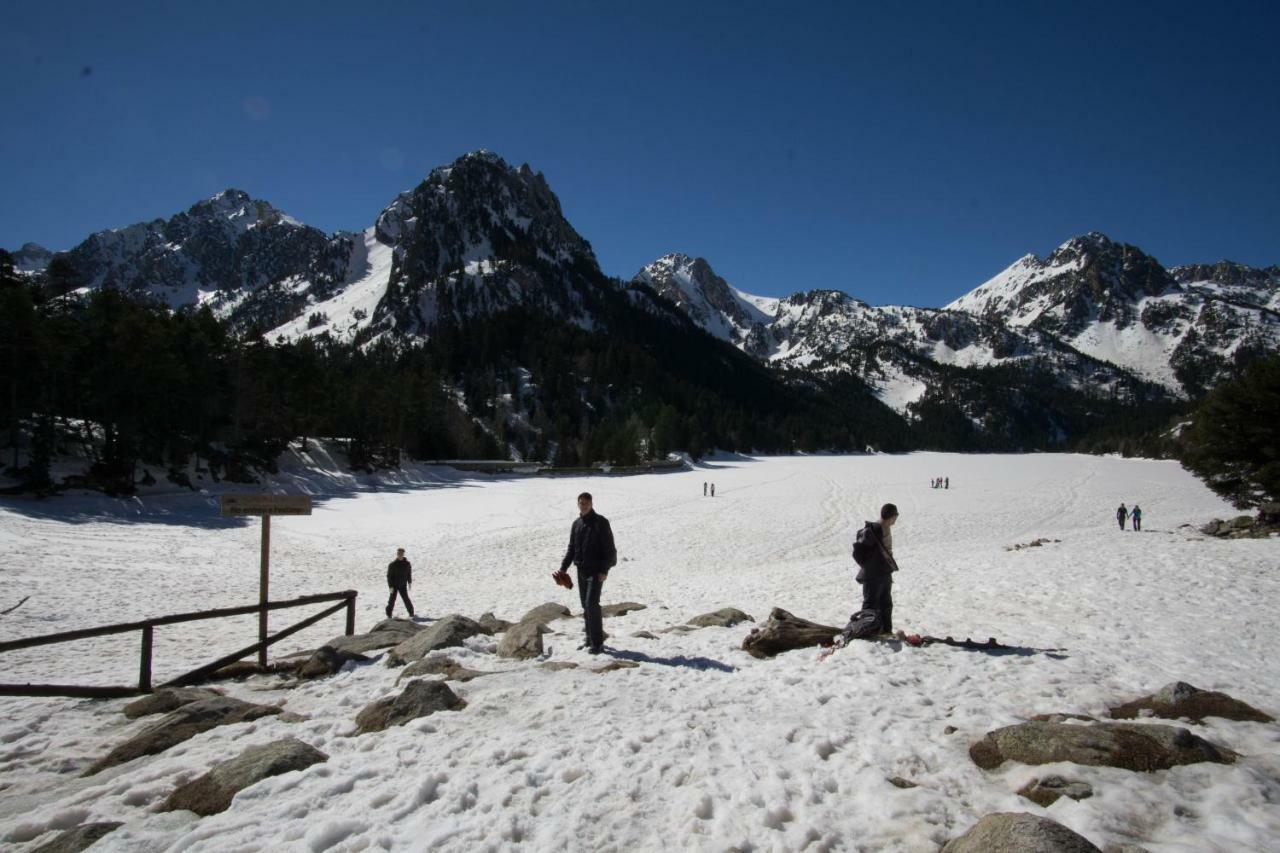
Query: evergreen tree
{"x": 1233, "y": 443}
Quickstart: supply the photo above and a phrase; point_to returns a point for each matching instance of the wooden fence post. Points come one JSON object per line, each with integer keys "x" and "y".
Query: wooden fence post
{"x": 144, "y": 673}
{"x": 351, "y": 615}
{"x": 263, "y": 598}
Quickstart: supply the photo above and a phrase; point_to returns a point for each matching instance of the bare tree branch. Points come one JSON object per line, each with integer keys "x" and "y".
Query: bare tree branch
{"x": 16, "y": 606}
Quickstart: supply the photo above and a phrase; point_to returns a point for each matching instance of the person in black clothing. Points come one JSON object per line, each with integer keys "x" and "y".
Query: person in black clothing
{"x": 399, "y": 578}
{"x": 591, "y": 549}
{"x": 876, "y": 565}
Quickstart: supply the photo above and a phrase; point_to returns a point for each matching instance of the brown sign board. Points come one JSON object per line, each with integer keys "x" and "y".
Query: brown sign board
{"x": 250, "y": 504}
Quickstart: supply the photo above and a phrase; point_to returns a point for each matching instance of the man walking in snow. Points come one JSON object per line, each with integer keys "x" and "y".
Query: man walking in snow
{"x": 873, "y": 551}
{"x": 1136, "y": 515}
{"x": 1121, "y": 515}
{"x": 399, "y": 578}
{"x": 591, "y": 549}
{"x": 704, "y": 488}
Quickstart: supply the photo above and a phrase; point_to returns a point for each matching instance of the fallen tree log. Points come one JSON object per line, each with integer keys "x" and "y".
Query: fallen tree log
{"x": 784, "y": 632}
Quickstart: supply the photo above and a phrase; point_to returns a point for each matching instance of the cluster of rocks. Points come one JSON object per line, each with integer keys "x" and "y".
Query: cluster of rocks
{"x": 1034, "y": 543}
{"x": 1264, "y": 525}
{"x": 1086, "y": 741}
{"x": 188, "y": 711}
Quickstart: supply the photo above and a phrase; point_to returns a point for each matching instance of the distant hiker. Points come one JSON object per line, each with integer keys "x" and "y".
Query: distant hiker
{"x": 1121, "y": 515}
{"x": 704, "y": 488}
{"x": 591, "y": 549}
{"x": 933, "y": 484}
{"x": 873, "y": 552}
{"x": 399, "y": 579}
{"x": 946, "y": 482}
{"x": 713, "y": 490}
{"x": 1136, "y": 515}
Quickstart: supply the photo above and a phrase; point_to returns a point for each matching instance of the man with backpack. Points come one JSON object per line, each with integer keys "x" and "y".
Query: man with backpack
{"x": 1136, "y": 515}
{"x": 873, "y": 552}
{"x": 591, "y": 549}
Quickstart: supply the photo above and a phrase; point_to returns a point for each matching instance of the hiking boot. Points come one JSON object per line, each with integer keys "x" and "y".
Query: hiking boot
{"x": 388, "y": 612}
{"x": 595, "y": 650}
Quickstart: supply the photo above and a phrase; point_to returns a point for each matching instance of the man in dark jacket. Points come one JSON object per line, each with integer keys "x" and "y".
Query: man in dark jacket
{"x": 873, "y": 551}
{"x": 399, "y": 577}
{"x": 591, "y": 549}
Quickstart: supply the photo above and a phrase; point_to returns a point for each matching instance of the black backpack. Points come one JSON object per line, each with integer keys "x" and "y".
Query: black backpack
{"x": 864, "y": 544}
{"x": 862, "y": 625}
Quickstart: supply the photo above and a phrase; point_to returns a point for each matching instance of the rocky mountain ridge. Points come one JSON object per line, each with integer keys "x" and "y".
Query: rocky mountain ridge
{"x": 478, "y": 237}
{"x": 1092, "y": 314}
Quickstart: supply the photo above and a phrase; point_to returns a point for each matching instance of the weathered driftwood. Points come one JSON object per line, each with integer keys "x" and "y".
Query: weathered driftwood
{"x": 784, "y": 632}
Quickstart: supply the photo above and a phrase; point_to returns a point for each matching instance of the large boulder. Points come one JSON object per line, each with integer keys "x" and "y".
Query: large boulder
{"x": 621, "y": 609}
{"x": 419, "y": 699}
{"x": 493, "y": 624}
{"x": 327, "y": 660}
{"x": 1018, "y": 832}
{"x": 182, "y": 724}
{"x": 725, "y": 617}
{"x": 212, "y": 792}
{"x": 1129, "y": 746}
{"x": 407, "y": 627}
{"x": 545, "y": 613}
{"x": 450, "y": 631}
{"x": 1180, "y": 700}
{"x": 168, "y": 699}
{"x": 522, "y": 641}
{"x": 80, "y": 838}
{"x": 448, "y": 667}
{"x": 384, "y": 635}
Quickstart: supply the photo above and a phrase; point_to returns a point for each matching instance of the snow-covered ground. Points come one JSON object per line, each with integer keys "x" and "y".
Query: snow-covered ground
{"x": 701, "y": 747}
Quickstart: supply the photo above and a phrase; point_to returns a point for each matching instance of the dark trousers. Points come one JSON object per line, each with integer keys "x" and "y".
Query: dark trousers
{"x": 589, "y": 593}
{"x": 1120, "y": 519}
{"x": 403, "y": 590}
{"x": 877, "y": 595}
{"x": 1137, "y": 523}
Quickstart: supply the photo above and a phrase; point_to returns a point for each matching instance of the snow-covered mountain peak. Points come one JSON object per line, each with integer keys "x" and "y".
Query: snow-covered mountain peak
{"x": 1112, "y": 301}
{"x": 240, "y": 210}
{"x": 708, "y": 300}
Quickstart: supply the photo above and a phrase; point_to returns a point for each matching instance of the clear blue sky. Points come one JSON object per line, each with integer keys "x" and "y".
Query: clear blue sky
{"x": 901, "y": 152}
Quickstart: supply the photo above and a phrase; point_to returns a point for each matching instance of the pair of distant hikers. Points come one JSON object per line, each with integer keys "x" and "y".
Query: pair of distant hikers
{"x": 1135, "y": 514}
{"x": 591, "y": 550}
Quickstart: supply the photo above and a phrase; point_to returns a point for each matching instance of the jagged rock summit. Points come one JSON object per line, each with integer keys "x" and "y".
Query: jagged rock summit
{"x": 31, "y": 258}
{"x": 1179, "y": 327}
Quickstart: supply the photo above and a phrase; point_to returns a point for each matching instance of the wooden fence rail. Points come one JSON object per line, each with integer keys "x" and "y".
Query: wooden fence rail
{"x": 345, "y": 599}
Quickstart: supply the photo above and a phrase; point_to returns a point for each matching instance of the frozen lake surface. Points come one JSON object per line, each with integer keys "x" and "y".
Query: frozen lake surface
{"x": 701, "y": 747}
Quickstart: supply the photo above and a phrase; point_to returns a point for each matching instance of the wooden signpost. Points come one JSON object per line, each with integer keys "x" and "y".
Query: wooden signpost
{"x": 265, "y": 506}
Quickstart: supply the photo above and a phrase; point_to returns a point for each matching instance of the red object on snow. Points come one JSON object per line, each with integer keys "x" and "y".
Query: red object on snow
{"x": 562, "y": 578}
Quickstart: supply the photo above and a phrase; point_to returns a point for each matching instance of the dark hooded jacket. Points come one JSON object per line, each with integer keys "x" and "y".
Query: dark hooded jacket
{"x": 869, "y": 552}
{"x": 590, "y": 544}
